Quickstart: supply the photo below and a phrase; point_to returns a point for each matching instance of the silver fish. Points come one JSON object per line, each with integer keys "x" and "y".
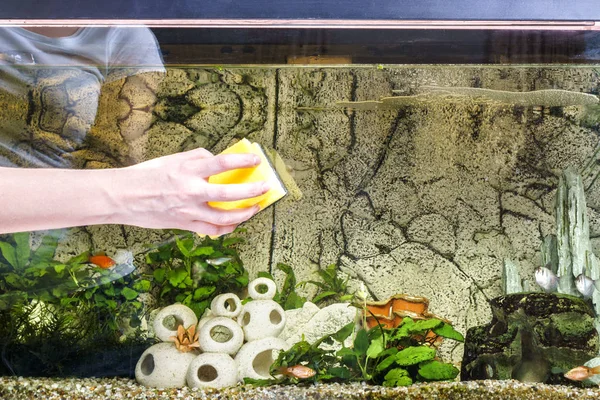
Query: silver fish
{"x": 546, "y": 279}
{"x": 218, "y": 261}
{"x": 586, "y": 285}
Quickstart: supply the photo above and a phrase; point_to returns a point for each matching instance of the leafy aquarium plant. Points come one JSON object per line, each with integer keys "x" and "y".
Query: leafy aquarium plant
{"x": 54, "y": 311}
{"x": 192, "y": 272}
{"x": 330, "y": 289}
{"x": 388, "y": 357}
{"x": 287, "y": 297}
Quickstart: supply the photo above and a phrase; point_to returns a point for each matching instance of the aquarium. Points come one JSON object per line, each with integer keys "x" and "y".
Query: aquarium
{"x": 431, "y": 225}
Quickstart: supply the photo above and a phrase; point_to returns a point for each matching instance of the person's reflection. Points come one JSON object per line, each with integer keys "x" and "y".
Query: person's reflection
{"x": 72, "y": 104}
{"x": 56, "y": 77}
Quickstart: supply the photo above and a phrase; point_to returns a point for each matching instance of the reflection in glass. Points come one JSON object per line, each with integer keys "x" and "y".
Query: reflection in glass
{"x": 71, "y": 98}
{"x": 55, "y": 97}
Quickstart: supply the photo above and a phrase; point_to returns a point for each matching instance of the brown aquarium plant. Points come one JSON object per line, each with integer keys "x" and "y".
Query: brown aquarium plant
{"x": 391, "y": 357}
{"x": 192, "y": 271}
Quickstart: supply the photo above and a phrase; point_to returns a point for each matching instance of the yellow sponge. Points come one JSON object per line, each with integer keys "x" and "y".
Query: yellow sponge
{"x": 262, "y": 172}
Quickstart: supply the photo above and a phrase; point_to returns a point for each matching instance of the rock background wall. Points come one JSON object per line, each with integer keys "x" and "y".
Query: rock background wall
{"x": 427, "y": 199}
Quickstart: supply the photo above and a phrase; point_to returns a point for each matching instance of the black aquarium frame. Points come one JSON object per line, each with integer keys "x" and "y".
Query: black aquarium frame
{"x": 363, "y": 31}
{"x": 308, "y": 12}
{"x": 377, "y": 46}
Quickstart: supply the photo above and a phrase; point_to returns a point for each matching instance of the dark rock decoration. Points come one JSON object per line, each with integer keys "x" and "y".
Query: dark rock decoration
{"x": 533, "y": 337}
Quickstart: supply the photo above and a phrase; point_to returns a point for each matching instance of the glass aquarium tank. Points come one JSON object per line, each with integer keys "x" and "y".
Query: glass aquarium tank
{"x": 295, "y": 201}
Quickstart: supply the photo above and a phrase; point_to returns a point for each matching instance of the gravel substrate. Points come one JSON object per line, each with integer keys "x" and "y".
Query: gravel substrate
{"x": 64, "y": 389}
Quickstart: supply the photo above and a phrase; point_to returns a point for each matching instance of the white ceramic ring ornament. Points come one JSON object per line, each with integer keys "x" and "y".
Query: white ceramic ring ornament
{"x": 255, "y": 358}
{"x": 261, "y": 319}
{"x": 183, "y": 315}
{"x": 212, "y": 370}
{"x": 261, "y": 282}
{"x": 226, "y": 305}
{"x": 203, "y": 321}
{"x": 163, "y": 366}
{"x": 220, "y": 335}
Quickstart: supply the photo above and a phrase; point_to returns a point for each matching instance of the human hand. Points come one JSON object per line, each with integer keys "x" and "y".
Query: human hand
{"x": 173, "y": 191}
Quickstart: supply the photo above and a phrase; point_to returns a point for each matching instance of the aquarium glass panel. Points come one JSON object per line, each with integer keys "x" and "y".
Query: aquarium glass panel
{"x": 438, "y": 183}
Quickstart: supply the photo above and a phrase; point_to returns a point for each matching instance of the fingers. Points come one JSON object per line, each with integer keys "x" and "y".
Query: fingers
{"x": 199, "y": 153}
{"x": 217, "y": 222}
{"x": 236, "y": 191}
{"x": 226, "y": 162}
{"x": 204, "y": 228}
{"x": 228, "y": 217}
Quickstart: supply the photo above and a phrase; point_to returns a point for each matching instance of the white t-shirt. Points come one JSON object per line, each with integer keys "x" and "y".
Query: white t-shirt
{"x": 34, "y": 65}
{"x": 107, "y": 49}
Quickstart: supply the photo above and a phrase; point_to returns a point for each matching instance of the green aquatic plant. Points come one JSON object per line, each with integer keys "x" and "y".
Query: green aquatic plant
{"x": 389, "y": 357}
{"x": 192, "y": 272}
{"x": 332, "y": 288}
{"x": 287, "y": 297}
{"x": 28, "y": 275}
{"x": 53, "y": 311}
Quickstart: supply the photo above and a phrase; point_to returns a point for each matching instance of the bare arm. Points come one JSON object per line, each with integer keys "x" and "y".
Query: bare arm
{"x": 167, "y": 192}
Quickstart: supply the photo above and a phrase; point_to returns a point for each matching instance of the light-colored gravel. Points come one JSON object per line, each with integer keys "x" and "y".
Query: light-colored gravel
{"x": 16, "y": 388}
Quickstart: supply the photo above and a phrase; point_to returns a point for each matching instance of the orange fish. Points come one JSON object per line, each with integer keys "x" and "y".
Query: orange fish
{"x": 102, "y": 261}
{"x": 298, "y": 371}
{"x": 582, "y": 373}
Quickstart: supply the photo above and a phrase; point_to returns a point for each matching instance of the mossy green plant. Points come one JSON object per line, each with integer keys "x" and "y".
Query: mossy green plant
{"x": 35, "y": 275}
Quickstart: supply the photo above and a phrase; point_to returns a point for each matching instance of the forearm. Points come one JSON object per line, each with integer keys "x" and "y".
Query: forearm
{"x": 166, "y": 192}
{"x": 34, "y": 199}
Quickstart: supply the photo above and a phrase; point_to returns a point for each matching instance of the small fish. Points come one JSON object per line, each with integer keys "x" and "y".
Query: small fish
{"x": 546, "y": 279}
{"x": 582, "y": 373}
{"x": 218, "y": 261}
{"x": 586, "y": 285}
{"x": 298, "y": 371}
{"x": 102, "y": 261}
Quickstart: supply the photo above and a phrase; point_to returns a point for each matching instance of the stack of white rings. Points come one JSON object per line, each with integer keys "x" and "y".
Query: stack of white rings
{"x": 225, "y": 359}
